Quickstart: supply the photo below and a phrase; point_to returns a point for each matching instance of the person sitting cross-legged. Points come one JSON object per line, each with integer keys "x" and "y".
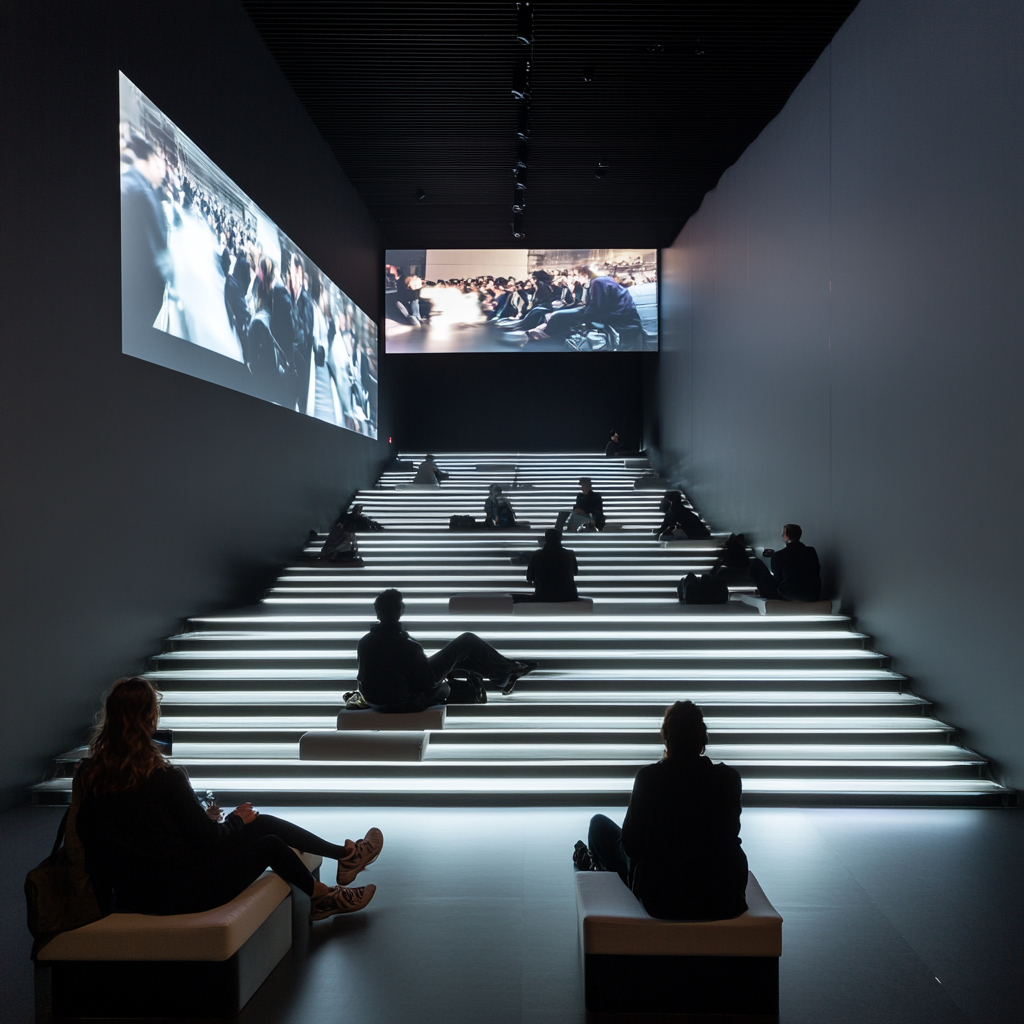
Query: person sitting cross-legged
{"x": 396, "y": 676}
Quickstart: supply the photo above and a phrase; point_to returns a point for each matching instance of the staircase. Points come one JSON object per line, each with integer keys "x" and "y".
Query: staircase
{"x": 800, "y": 705}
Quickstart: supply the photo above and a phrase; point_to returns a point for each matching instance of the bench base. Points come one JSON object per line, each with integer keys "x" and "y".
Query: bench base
{"x": 747, "y": 985}
{"x": 164, "y": 988}
{"x": 358, "y": 745}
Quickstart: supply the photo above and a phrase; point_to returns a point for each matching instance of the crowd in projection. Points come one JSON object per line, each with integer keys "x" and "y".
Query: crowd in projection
{"x": 202, "y": 263}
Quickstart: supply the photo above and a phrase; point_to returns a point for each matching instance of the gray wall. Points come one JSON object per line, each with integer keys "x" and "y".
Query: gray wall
{"x": 132, "y": 495}
{"x": 843, "y": 339}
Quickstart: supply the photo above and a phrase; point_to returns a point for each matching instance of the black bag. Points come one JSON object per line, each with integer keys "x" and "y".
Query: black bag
{"x": 703, "y": 590}
{"x": 59, "y": 894}
{"x": 466, "y": 688}
{"x": 461, "y": 523}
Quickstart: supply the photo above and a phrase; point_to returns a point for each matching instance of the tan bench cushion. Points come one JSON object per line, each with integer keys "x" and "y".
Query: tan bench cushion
{"x": 210, "y": 935}
{"x": 480, "y": 603}
{"x": 358, "y": 745}
{"x": 583, "y": 606}
{"x": 430, "y": 718}
{"x": 613, "y": 921}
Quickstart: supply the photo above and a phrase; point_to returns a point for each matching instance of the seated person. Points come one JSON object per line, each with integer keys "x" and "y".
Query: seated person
{"x": 498, "y": 509}
{"x": 589, "y": 503}
{"x": 608, "y": 303}
{"x": 341, "y": 545}
{"x": 150, "y": 844}
{"x": 795, "y": 574}
{"x": 733, "y": 564}
{"x": 552, "y": 571}
{"x": 679, "y": 519}
{"x": 396, "y": 676}
{"x": 430, "y": 473}
{"x": 358, "y": 523}
{"x": 614, "y": 447}
{"x": 679, "y": 846}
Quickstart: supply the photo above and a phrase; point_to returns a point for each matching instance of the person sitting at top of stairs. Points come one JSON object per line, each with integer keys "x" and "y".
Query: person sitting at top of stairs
{"x": 396, "y": 676}
{"x": 679, "y": 519}
{"x": 429, "y": 472}
{"x": 589, "y": 503}
{"x": 614, "y": 446}
{"x": 150, "y": 844}
{"x": 552, "y": 571}
{"x": 498, "y": 509}
{"x": 795, "y": 574}
{"x": 679, "y": 847}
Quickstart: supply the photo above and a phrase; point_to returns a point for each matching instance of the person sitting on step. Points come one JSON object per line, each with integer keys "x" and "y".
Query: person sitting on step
{"x": 498, "y": 511}
{"x": 733, "y": 563}
{"x": 679, "y": 521}
{"x": 396, "y": 676}
{"x": 679, "y": 848}
{"x": 552, "y": 571}
{"x": 589, "y": 503}
{"x": 151, "y": 846}
{"x": 795, "y": 574}
{"x": 614, "y": 448}
{"x": 429, "y": 473}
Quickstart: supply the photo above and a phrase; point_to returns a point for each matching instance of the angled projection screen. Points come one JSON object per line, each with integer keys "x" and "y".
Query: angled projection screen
{"x": 521, "y": 300}
{"x": 212, "y": 287}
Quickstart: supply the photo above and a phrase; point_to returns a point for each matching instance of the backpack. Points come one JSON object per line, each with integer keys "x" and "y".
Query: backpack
{"x": 461, "y": 523}
{"x": 703, "y": 590}
{"x": 466, "y": 687}
{"x": 59, "y": 894}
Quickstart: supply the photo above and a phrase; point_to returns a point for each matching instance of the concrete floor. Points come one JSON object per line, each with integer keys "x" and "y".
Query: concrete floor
{"x": 891, "y": 915}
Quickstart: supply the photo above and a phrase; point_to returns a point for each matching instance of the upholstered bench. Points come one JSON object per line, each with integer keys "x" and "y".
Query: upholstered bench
{"x": 767, "y": 606}
{"x": 357, "y": 745}
{"x": 480, "y": 602}
{"x": 634, "y": 963}
{"x": 581, "y": 606}
{"x": 180, "y": 965}
{"x": 429, "y": 718}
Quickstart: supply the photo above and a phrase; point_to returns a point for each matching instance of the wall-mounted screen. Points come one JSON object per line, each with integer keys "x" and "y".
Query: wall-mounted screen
{"x": 212, "y": 287}
{"x": 521, "y": 300}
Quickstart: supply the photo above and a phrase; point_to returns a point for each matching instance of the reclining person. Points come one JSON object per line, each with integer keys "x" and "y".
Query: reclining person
{"x": 795, "y": 574}
{"x": 396, "y": 676}
{"x": 552, "y": 571}
{"x": 149, "y": 841}
{"x": 498, "y": 509}
{"x": 589, "y": 503}
{"x": 430, "y": 473}
{"x": 341, "y": 546}
{"x": 679, "y": 519}
{"x": 679, "y": 846}
{"x": 359, "y": 523}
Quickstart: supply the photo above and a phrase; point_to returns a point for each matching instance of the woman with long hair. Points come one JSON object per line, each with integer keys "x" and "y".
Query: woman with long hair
{"x": 147, "y": 837}
{"x": 679, "y": 846}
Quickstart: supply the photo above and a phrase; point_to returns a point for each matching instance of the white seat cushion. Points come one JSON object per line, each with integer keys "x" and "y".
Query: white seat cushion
{"x": 210, "y": 935}
{"x": 429, "y": 718}
{"x": 613, "y": 921}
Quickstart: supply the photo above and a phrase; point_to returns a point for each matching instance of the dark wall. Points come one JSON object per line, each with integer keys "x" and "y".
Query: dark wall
{"x": 133, "y": 495}
{"x": 842, "y": 345}
{"x": 530, "y": 402}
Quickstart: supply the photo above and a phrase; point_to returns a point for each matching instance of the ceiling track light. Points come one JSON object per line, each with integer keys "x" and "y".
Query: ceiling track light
{"x": 420, "y": 194}
{"x": 602, "y": 169}
{"x": 522, "y": 155}
{"x": 521, "y": 80}
{"x": 524, "y": 24}
{"x": 588, "y": 75}
{"x": 518, "y": 231}
{"x": 523, "y": 129}
{"x": 518, "y": 201}
{"x": 520, "y": 174}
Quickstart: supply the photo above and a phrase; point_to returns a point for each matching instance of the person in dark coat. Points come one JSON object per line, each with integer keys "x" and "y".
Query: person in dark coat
{"x": 678, "y": 516}
{"x": 589, "y": 503}
{"x": 552, "y": 571}
{"x": 304, "y": 317}
{"x": 733, "y": 564}
{"x": 396, "y": 676}
{"x": 282, "y": 327}
{"x": 795, "y": 574}
{"x": 151, "y": 846}
{"x": 265, "y": 357}
{"x": 614, "y": 447}
{"x": 145, "y": 258}
{"x": 608, "y": 303}
{"x": 679, "y": 848}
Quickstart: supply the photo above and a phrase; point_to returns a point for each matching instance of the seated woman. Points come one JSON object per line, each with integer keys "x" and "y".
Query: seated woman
{"x": 148, "y": 838}
{"x": 679, "y": 847}
{"x": 498, "y": 509}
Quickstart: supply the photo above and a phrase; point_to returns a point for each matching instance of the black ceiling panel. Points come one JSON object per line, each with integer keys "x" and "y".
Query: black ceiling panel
{"x": 417, "y": 97}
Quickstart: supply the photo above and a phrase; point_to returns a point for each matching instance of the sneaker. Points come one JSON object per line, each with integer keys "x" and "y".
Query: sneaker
{"x": 340, "y": 901}
{"x": 519, "y": 669}
{"x": 359, "y": 854}
{"x": 581, "y": 857}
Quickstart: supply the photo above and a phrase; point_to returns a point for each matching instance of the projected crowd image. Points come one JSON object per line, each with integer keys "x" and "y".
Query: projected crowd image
{"x": 521, "y": 300}
{"x": 202, "y": 263}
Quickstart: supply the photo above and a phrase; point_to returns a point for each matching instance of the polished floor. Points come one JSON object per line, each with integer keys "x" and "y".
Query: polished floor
{"x": 895, "y": 916}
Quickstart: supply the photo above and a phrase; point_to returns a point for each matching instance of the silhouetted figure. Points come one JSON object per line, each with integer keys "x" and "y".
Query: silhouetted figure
{"x": 430, "y": 473}
{"x": 396, "y": 676}
{"x": 614, "y": 446}
{"x": 795, "y": 574}
{"x": 341, "y": 545}
{"x": 590, "y": 503}
{"x": 733, "y": 564}
{"x": 679, "y": 517}
{"x": 498, "y": 509}
{"x": 552, "y": 571}
{"x": 679, "y": 846}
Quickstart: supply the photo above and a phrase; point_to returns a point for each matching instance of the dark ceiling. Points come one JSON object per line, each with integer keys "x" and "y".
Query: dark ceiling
{"x": 417, "y": 97}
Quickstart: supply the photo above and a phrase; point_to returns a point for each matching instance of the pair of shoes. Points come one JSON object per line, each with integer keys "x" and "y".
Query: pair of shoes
{"x": 355, "y": 701}
{"x": 582, "y": 858}
{"x": 359, "y": 854}
{"x": 340, "y": 900}
{"x": 519, "y": 669}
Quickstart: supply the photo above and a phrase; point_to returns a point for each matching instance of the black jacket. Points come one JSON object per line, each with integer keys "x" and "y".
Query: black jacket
{"x": 153, "y": 845}
{"x": 797, "y": 572}
{"x": 393, "y": 668}
{"x": 681, "y": 835}
{"x": 593, "y": 504}
{"x": 552, "y": 571}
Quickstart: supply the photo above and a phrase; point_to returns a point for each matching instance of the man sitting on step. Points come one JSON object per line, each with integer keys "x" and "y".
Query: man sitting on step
{"x": 396, "y": 676}
{"x": 552, "y": 571}
{"x": 795, "y": 574}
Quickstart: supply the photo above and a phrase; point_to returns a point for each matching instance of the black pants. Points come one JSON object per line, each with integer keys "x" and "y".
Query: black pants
{"x": 264, "y": 843}
{"x": 768, "y": 586}
{"x": 605, "y": 842}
